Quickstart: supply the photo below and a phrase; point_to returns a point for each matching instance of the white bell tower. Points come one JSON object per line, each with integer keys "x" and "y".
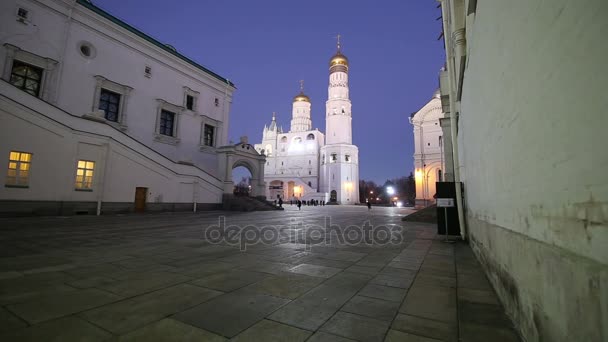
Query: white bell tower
{"x": 339, "y": 158}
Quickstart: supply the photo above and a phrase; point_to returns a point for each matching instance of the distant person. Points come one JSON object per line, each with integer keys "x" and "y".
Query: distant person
{"x": 280, "y": 202}
{"x": 299, "y": 205}
{"x": 369, "y": 205}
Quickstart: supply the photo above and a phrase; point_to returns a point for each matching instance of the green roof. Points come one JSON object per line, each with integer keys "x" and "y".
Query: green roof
{"x": 170, "y": 49}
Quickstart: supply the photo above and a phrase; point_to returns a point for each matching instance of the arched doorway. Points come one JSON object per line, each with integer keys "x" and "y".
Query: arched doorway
{"x": 242, "y": 154}
{"x": 275, "y": 190}
{"x": 291, "y": 189}
{"x": 333, "y": 196}
{"x": 242, "y": 179}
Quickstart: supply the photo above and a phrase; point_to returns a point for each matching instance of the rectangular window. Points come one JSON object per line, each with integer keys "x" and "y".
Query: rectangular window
{"x": 217, "y": 102}
{"x": 347, "y": 158}
{"x": 334, "y": 157}
{"x": 208, "y": 135}
{"x": 84, "y": 175}
{"x": 109, "y": 102}
{"x": 18, "y": 174}
{"x": 26, "y": 77}
{"x": 189, "y": 102}
{"x": 167, "y": 120}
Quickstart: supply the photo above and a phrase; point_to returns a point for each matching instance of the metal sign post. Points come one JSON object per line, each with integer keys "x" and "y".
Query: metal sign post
{"x": 445, "y": 203}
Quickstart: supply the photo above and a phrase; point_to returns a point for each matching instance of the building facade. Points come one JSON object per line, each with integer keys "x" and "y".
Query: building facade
{"x": 429, "y": 156}
{"x": 524, "y": 93}
{"x": 98, "y": 116}
{"x": 307, "y": 164}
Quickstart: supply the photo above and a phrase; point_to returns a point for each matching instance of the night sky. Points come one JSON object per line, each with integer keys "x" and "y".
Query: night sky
{"x": 266, "y": 46}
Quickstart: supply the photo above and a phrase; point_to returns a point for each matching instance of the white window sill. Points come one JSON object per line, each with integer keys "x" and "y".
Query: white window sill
{"x": 207, "y": 149}
{"x": 165, "y": 139}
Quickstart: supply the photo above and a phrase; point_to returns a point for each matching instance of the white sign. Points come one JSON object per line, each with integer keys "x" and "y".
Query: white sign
{"x": 445, "y": 202}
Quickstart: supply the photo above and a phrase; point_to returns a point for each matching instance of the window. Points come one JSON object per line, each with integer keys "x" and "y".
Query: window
{"x": 310, "y": 184}
{"x": 30, "y": 72}
{"x": 190, "y": 99}
{"x": 167, "y": 121}
{"x": 309, "y": 162}
{"x": 166, "y": 129}
{"x": 217, "y": 102}
{"x": 109, "y": 102}
{"x": 309, "y": 172}
{"x": 334, "y": 157}
{"x": 297, "y": 140}
{"x": 148, "y": 71}
{"x": 209, "y": 135}
{"x": 22, "y": 13}
{"x": 310, "y": 137}
{"x": 84, "y": 175}
{"x": 26, "y": 77}
{"x": 18, "y": 174}
{"x": 111, "y": 99}
{"x": 284, "y": 139}
{"x": 346, "y": 158}
{"x": 189, "y": 102}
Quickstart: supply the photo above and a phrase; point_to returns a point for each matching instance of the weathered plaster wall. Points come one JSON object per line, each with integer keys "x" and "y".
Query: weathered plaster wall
{"x": 532, "y": 136}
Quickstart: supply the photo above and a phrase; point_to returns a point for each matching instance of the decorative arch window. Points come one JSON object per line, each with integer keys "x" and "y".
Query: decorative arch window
{"x": 297, "y": 140}
{"x": 343, "y": 111}
{"x": 310, "y": 137}
{"x": 284, "y": 139}
{"x": 310, "y": 184}
{"x": 347, "y": 158}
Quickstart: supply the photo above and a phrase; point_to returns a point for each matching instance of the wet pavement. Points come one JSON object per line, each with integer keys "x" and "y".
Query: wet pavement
{"x": 334, "y": 273}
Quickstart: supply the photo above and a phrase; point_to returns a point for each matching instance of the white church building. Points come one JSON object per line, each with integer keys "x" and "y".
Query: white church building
{"x": 429, "y": 150}
{"x": 305, "y": 163}
{"x": 98, "y": 117}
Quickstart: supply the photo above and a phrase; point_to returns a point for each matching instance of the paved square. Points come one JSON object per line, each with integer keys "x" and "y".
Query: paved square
{"x": 188, "y": 276}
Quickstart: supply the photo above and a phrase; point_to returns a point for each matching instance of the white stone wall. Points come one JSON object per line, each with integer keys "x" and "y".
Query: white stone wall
{"x": 531, "y": 128}
{"x": 176, "y": 170}
{"x": 58, "y": 140}
{"x": 428, "y": 151}
{"x": 120, "y": 56}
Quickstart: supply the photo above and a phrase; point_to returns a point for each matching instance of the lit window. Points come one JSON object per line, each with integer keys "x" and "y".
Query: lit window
{"x": 209, "y": 135}
{"x": 167, "y": 120}
{"x": 26, "y": 77}
{"x": 18, "y": 169}
{"x": 84, "y": 175}
{"x": 109, "y": 102}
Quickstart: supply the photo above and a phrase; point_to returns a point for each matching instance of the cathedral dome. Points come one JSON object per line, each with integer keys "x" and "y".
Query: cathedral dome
{"x": 301, "y": 97}
{"x": 338, "y": 59}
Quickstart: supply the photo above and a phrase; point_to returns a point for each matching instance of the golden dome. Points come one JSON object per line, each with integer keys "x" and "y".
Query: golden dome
{"x": 338, "y": 59}
{"x": 301, "y": 97}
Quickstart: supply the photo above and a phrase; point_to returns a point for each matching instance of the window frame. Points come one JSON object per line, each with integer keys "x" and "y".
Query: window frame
{"x": 28, "y": 67}
{"x": 18, "y": 162}
{"x": 195, "y": 95}
{"x": 110, "y": 93}
{"x": 123, "y": 90}
{"x": 217, "y": 125}
{"x": 172, "y": 108}
{"x": 213, "y": 135}
{"x": 49, "y": 69}
{"x": 84, "y": 175}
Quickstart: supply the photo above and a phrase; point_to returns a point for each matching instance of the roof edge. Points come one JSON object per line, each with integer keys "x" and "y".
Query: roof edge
{"x": 168, "y": 48}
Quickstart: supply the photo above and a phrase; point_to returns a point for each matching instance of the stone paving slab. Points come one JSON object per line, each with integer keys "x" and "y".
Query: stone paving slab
{"x": 132, "y": 313}
{"x": 60, "y": 330}
{"x": 231, "y": 313}
{"x": 266, "y": 330}
{"x": 56, "y": 305}
{"x": 170, "y": 330}
{"x": 164, "y": 283}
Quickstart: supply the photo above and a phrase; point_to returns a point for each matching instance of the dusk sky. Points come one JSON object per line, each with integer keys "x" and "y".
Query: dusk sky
{"x": 266, "y": 46}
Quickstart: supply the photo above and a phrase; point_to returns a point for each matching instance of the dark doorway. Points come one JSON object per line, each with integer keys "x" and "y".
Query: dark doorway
{"x": 140, "y": 199}
{"x": 333, "y": 196}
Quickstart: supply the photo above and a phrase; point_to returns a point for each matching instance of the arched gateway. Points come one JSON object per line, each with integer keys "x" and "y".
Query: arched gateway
{"x": 242, "y": 154}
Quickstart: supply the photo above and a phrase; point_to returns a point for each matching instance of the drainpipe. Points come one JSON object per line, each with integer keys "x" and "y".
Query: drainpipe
{"x": 453, "y": 114}
{"x": 105, "y": 162}
{"x": 66, "y": 34}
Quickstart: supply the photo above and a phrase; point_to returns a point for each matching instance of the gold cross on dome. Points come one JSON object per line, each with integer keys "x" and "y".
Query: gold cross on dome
{"x": 338, "y": 39}
{"x": 302, "y": 85}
